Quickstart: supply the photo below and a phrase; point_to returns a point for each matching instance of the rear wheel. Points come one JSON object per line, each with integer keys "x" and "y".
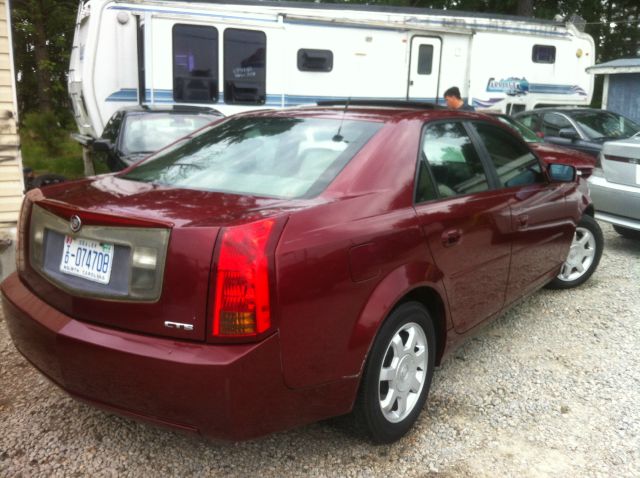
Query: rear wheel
{"x": 584, "y": 255}
{"x": 627, "y": 232}
{"x": 398, "y": 373}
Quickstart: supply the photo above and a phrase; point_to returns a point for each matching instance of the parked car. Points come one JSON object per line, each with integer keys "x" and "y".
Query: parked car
{"x": 282, "y": 267}
{"x": 134, "y": 132}
{"x": 552, "y": 153}
{"x": 582, "y": 129}
{"x": 616, "y": 187}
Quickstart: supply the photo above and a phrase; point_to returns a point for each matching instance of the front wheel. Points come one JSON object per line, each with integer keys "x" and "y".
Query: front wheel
{"x": 584, "y": 255}
{"x": 398, "y": 373}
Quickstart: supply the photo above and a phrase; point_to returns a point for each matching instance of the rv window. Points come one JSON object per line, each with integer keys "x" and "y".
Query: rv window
{"x": 543, "y": 54}
{"x": 315, "y": 60}
{"x": 195, "y": 64}
{"x": 245, "y": 54}
{"x": 425, "y": 59}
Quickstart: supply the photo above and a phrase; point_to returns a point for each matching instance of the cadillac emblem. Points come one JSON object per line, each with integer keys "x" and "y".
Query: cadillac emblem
{"x": 75, "y": 223}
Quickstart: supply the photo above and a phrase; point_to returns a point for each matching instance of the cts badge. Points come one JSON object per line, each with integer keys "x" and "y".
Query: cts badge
{"x": 178, "y": 326}
{"x": 75, "y": 223}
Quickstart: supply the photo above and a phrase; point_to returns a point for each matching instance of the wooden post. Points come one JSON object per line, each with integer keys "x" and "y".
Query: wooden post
{"x": 87, "y": 159}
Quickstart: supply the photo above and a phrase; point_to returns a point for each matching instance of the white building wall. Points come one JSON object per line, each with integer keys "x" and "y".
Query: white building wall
{"x": 11, "y": 181}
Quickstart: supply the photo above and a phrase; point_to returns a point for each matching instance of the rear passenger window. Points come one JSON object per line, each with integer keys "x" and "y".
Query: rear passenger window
{"x": 552, "y": 123}
{"x": 195, "y": 64}
{"x": 245, "y": 56}
{"x": 514, "y": 163}
{"x": 425, "y": 188}
{"x": 453, "y": 160}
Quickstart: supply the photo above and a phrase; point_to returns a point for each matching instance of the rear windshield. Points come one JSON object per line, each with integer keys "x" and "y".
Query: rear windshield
{"x": 260, "y": 156}
{"x": 146, "y": 133}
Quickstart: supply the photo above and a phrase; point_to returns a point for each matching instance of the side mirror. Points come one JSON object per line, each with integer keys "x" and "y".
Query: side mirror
{"x": 102, "y": 146}
{"x": 562, "y": 173}
{"x": 568, "y": 133}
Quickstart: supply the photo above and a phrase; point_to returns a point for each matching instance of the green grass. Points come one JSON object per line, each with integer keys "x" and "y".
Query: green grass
{"x": 65, "y": 159}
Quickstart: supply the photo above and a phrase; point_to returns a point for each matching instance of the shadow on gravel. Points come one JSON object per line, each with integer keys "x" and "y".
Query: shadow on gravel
{"x": 623, "y": 245}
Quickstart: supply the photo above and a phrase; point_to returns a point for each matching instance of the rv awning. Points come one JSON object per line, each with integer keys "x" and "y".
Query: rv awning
{"x": 623, "y": 65}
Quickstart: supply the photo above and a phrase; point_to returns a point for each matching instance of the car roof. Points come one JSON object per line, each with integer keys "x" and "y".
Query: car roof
{"x": 379, "y": 111}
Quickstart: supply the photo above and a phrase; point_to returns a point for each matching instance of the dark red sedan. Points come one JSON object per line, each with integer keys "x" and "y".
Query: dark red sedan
{"x": 281, "y": 267}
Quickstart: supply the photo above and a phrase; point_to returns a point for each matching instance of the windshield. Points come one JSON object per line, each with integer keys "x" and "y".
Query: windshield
{"x": 605, "y": 125}
{"x": 261, "y": 156}
{"x": 527, "y": 134}
{"x": 146, "y": 133}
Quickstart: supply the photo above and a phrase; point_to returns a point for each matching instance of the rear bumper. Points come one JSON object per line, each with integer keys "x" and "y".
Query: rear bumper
{"x": 618, "y": 204}
{"x": 230, "y": 392}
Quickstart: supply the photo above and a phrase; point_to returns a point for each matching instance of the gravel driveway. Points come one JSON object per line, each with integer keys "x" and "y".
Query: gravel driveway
{"x": 550, "y": 389}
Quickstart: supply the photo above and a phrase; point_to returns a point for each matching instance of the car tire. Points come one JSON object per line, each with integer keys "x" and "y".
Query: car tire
{"x": 627, "y": 232}
{"x": 397, "y": 375}
{"x": 584, "y": 255}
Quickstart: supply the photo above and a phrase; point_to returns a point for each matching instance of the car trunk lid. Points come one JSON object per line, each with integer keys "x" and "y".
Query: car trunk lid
{"x": 160, "y": 244}
{"x": 621, "y": 161}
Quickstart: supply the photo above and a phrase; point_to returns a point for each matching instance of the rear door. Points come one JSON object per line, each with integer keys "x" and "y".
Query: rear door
{"x": 465, "y": 221}
{"x": 424, "y": 68}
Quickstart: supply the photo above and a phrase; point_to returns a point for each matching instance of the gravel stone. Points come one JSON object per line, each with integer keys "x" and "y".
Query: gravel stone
{"x": 551, "y": 388}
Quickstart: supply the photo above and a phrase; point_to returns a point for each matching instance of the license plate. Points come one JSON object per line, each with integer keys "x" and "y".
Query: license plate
{"x": 91, "y": 260}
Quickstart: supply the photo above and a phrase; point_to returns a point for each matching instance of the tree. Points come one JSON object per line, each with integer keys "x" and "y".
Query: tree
{"x": 43, "y": 35}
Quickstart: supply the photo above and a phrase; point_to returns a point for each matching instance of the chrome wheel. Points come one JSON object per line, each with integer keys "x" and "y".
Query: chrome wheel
{"x": 403, "y": 372}
{"x": 581, "y": 255}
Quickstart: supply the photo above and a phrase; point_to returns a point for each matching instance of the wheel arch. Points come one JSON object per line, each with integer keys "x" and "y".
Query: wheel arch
{"x": 433, "y": 302}
{"x": 417, "y": 282}
{"x": 590, "y": 210}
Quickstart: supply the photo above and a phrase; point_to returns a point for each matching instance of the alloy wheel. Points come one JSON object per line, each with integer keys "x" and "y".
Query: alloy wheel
{"x": 581, "y": 255}
{"x": 403, "y": 372}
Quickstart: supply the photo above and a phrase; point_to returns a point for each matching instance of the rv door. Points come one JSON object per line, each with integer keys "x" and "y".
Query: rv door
{"x": 424, "y": 68}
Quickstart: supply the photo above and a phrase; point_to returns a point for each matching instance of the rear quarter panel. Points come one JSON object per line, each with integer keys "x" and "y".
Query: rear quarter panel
{"x": 342, "y": 266}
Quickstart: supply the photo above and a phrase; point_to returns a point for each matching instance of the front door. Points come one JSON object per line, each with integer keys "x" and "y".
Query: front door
{"x": 542, "y": 227}
{"x": 424, "y": 69}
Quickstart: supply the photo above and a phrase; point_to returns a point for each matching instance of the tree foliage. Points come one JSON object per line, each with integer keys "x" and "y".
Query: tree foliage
{"x": 42, "y": 39}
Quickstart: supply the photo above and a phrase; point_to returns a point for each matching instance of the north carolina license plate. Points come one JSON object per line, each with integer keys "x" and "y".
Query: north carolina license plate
{"x": 89, "y": 259}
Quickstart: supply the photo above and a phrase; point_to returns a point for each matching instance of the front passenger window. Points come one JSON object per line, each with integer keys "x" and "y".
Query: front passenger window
{"x": 454, "y": 162}
{"x": 514, "y": 163}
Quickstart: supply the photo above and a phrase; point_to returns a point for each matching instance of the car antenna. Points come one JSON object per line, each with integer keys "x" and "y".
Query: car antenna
{"x": 338, "y": 137}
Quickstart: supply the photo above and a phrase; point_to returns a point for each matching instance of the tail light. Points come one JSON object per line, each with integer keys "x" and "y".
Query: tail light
{"x": 241, "y": 303}
{"x": 23, "y": 228}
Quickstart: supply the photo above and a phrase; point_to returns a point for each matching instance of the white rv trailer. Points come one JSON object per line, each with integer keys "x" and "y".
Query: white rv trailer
{"x": 241, "y": 55}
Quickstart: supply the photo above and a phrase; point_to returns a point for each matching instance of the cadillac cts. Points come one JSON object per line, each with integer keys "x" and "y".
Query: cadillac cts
{"x": 277, "y": 268}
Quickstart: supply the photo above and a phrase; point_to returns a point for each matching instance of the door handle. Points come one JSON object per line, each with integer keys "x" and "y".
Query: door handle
{"x": 451, "y": 237}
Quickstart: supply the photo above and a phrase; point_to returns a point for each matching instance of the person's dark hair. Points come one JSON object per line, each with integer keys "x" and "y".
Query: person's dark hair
{"x": 453, "y": 91}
